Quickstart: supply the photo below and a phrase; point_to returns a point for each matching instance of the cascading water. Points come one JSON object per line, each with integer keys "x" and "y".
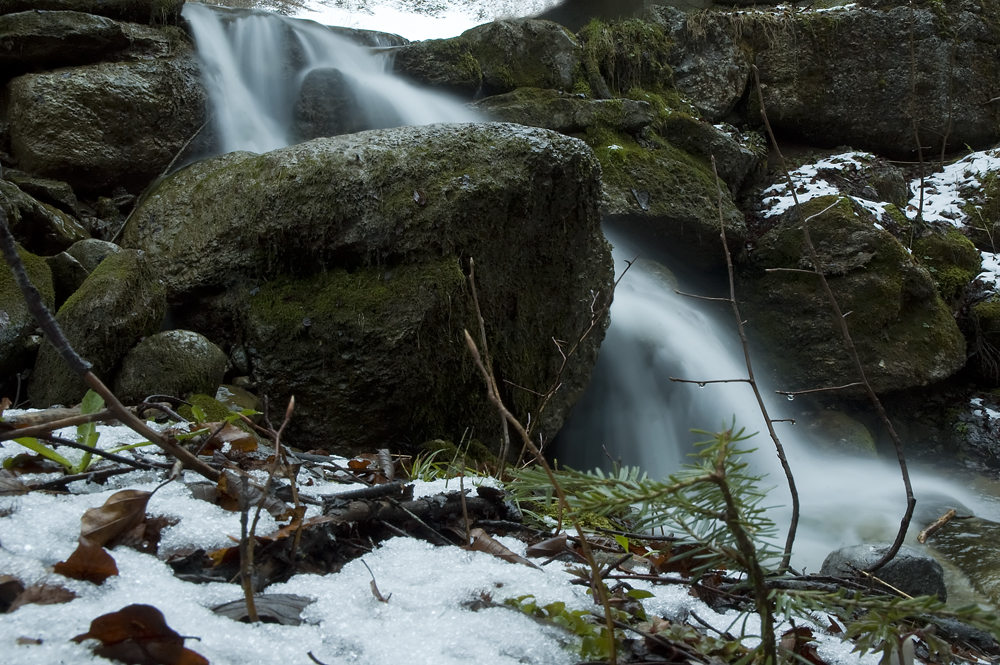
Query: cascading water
{"x": 634, "y": 413}
{"x": 632, "y": 410}
{"x": 253, "y": 84}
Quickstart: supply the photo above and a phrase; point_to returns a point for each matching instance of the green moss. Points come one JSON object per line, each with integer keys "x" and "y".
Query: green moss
{"x": 214, "y": 410}
{"x": 629, "y": 54}
{"x": 476, "y": 453}
{"x": 38, "y": 273}
{"x": 952, "y": 260}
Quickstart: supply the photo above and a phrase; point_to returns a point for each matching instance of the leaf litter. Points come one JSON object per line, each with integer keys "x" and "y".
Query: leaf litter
{"x": 427, "y": 615}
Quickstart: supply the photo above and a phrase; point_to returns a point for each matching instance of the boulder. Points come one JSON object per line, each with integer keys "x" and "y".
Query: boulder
{"x": 445, "y": 64}
{"x": 91, "y": 252}
{"x": 837, "y": 433}
{"x": 173, "y": 362}
{"x": 904, "y": 333}
{"x": 524, "y": 53}
{"x": 824, "y": 84}
{"x": 667, "y": 196}
{"x": 343, "y": 262}
{"x": 105, "y": 125}
{"x": 40, "y": 227}
{"x": 55, "y": 193}
{"x": 17, "y": 331}
{"x": 711, "y": 66}
{"x": 740, "y": 158}
{"x": 136, "y": 11}
{"x": 120, "y": 303}
{"x": 621, "y": 57}
{"x": 30, "y": 40}
{"x": 67, "y": 275}
{"x": 326, "y": 106}
{"x": 952, "y": 260}
{"x": 564, "y": 112}
{"x": 912, "y": 571}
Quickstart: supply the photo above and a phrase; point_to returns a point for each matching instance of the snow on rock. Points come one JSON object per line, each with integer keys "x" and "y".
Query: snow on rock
{"x": 948, "y": 191}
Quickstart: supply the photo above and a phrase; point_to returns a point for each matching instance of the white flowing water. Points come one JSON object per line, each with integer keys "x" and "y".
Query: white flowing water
{"x": 633, "y": 413}
{"x": 253, "y": 86}
{"x": 632, "y": 410}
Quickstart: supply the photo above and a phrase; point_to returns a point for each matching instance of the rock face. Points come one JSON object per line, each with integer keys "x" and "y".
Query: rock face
{"x": 825, "y": 84}
{"x": 524, "y": 53}
{"x": 903, "y": 332}
{"x": 16, "y": 344}
{"x": 912, "y": 571}
{"x": 120, "y": 303}
{"x": 325, "y": 106}
{"x": 174, "y": 362}
{"x": 344, "y": 263}
{"x": 105, "y": 125}
{"x": 446, "y": 64}
{"x": 40, "y": 227}
{"x": 32, "y": 39}
{"x": 136, "y": 11}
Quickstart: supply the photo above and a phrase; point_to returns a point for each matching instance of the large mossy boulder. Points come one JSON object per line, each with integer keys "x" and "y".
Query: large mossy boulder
{"x": 53, "y": 39}
{"x": 136, "y": 11}
{"x": 934, "y": 70}
{"x": 904, "y": 333}
{"x": 106, "y": 125}
{"x": 173, "y": 362}
{"x": 952, "y": 260}
{"x": 564, "y": 112}
{"x": 524, "y": 53}
{"x": 445, "y": 64}
{"x": 343, "y": 263}
{"x": 663, "y": 193}
{"x": 120, "y": 303}
{"x": 42, "y": 228}
{"x": 17, "y": 326}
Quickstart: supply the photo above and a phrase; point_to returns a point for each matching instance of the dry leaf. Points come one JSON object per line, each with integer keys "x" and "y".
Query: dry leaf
{"x": 122, "y": 512}
{"x": 484, "y": 542}
{"x": 88, "y": 562}
{"x": 10, "y": 588}
{"x": 140, "y": 635}
{"x": 28, "y": 641}
{"x": 549, "y": 547}
{"x": 238, "y": 439}
{"x": 283, "y": 608}
{"x": 231, "y": 488}
{"x": 43, "y": 594}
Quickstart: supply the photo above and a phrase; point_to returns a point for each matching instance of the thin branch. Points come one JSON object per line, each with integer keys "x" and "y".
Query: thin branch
{"x": 793, "y": 393}
{"x": 36, "y": 430}
{"x": 911, "y": 502}
{"x": 692, "y": 295}
{"x": 100, "y": 453}
{"x": 706, "y": 382}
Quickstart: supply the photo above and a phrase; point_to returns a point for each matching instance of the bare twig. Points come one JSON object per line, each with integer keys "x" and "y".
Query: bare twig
{"x": 793, "y": 393}
{"x": 936, "y": 526}
{"x": 36, "y": 430}
{"x": 848, "y": 344}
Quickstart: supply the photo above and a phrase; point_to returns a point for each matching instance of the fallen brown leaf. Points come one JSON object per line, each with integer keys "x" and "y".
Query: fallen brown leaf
{"x": 549, "y": 547}
{"x": 88, "y": 562}
{"x": 122, "y": 512}
{"x": 237, "y": 438}
{"x": 138, "y": 634}
{"x": 484, "y": 542}
{"x": 10, "y": 588}
{"x": 42, "y": 594}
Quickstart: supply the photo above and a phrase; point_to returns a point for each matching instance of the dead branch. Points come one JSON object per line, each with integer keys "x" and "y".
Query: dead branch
{"x": 911, "y": 502}
{"x": 936, "y": 526}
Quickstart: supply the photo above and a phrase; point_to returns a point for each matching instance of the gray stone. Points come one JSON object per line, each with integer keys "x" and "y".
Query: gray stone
{"x": 912, "y": 571}
{"x": 173, "y": 362}
{"x": 565, "y": 112}
{"x": 91, "y": 252}
{"x": 106, "y": 125}
{"x": 53, "y": 192}
{"x": 446, "y": 64}
{"x": 342, "y": 259}
{"x": 56, "y": 39}
{"x": 137, "y": 11}
{"x": 17, "y": 326}
{"x": 42, "y": 228}
{"x": 67, "y": 275}
{"x": 326, "y": 106}
{"x": 740, "y": 158}
{"x": 120, "y": 303}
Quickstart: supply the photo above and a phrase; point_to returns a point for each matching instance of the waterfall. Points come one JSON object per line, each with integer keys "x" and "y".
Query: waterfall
{"x": 634, "y": 413}
{"x": 254, "y": 64}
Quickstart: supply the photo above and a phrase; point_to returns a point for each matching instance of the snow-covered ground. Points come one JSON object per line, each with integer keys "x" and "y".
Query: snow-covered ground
{"x": 425, "y": 621}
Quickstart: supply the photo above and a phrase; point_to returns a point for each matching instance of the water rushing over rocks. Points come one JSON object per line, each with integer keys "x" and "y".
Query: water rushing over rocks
{"x": 254, "y": 65}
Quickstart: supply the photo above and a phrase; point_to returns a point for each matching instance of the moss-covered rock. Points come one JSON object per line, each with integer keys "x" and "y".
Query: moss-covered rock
{"x": 91, "y": 252}
{"x": 214, "y": 410}
{"x": 524, "y": 53}
{"x": 823, "y": 83}
{"x": 566, "y": 113}
{"x": 343, "y": 261}
{"x": 446, "y": 64}
{"x": 173, "y": 362}
{"x": 661, "y": 190}
{"x": 952, "y": 260}
{"x": 628, "y": 54}
{"x": 42, "y": 228}
{"x": 120, "y": 303}
{"x": 740, "y": 158}
{"x": 137, "y": 11}
{"x": 836, "y": 432}
{"x": 34, "y": 39}
{"x": 16, "y": 344}
{"x": 106, "y": 125}
{"x": 67, "y": 275}
{"x": 984, "y": 341}
{"x": 904, "y": 333}
{"x": 55, "y": 193}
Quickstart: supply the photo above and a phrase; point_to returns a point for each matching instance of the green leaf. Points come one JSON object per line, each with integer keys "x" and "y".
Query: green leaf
{"x": 92, "y": 403}
{"x": 639, "y": 594}
{"x": 623, "y": 541}
{"x": 87, "y": 433}
{"x": 32, "y": 444}
{"x": 198, "y": 413}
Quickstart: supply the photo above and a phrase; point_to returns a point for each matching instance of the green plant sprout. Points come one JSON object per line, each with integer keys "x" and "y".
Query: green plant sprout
{"x": 86, "y": 434}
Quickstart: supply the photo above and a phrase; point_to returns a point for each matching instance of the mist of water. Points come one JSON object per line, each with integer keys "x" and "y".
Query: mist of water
{"x": 253, "y": 83}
